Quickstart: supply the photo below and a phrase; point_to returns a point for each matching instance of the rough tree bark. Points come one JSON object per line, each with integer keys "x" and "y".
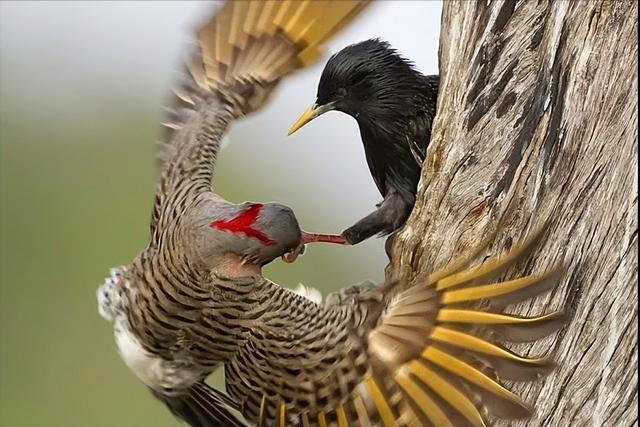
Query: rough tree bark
{"x": 537, "y": 119}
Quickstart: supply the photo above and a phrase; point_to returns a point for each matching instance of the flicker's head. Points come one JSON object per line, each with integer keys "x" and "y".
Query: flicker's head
{"x": 257, "y": 233}
{"x": 280, "y": 231}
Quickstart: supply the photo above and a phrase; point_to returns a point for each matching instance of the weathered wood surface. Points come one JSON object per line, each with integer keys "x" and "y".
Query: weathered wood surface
{"x": 537, "y": 119}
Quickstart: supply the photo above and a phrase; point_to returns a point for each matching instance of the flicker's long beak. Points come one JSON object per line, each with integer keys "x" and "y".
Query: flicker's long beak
{"x": 311, "y": 113}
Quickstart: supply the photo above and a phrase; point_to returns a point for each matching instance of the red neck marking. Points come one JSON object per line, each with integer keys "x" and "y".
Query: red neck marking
{"x": 243, "y": 222}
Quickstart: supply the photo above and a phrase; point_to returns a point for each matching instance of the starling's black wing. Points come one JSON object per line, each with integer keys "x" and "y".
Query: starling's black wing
{"x": 396, "y": 173}
{"x": 433, "y": 81}
{"x": 420, "y": 133}
{"x": 395, "y": 156}
{"x": 242, "y": 53}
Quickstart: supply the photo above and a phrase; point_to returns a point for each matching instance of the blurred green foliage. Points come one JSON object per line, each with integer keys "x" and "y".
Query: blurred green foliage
{"x": 75, "y": 195}
{"x": 81, "y": 85}
{"x": 71, "y": 205}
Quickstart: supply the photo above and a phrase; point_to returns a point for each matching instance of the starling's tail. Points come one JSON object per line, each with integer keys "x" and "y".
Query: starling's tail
{"x": 261, "y": 41}
{"x": 203, "y": 406}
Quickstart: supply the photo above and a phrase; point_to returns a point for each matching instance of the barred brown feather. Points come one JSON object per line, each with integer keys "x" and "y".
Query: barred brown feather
{"x": 173, "y": 323}
{"x": 373, "y": 355}
{"x": 421, "y": 358}
{"x": 242, "y": 53}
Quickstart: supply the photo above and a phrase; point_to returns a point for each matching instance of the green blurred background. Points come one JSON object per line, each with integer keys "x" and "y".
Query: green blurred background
{"x": 81, "y": 85}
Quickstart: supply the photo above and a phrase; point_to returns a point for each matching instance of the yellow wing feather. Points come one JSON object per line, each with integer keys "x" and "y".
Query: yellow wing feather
{"x": 491, "y": 290}
{"x": 381, "y": 403}
{"x": 427, "y": 341}
{"x": 265, "y": 40}
{"x": 322, "y": 420}
{"x": 475, "y": 376}
{"x": 342, "y": 417}
{"x": 424, "y": 339}
{"x": 427, "y": 405}
{"x": 434, "y": 359}
{"x": 449, "y": 393}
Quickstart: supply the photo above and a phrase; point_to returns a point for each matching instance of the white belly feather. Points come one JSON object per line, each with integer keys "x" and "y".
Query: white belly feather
{"x": 165, "y": 376}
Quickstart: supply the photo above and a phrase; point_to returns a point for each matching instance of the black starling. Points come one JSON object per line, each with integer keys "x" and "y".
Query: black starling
{"x": 394, "y": 105}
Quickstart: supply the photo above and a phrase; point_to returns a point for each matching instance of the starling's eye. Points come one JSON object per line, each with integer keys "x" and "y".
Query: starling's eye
{"x": 333, "y": 95}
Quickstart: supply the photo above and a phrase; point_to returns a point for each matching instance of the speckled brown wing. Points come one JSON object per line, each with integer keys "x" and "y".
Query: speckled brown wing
{"x": 429, "y": 355}
{"x": 241, "y": 54}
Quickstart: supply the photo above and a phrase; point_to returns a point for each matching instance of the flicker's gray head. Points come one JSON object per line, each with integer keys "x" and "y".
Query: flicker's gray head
{"x": 280, "y": 226}
{"x": 257, "y": 233}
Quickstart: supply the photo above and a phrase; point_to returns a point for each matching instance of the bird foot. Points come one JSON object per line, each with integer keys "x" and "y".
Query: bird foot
{"x": 312, "y": 238}
{"x": 353, "y": 235}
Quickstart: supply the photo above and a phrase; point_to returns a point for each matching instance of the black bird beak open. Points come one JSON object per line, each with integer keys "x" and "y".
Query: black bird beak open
{"x": 311, "y": 113}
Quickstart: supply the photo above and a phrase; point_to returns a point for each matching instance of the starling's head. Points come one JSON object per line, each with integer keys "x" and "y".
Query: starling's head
{"x": 363, "y": 80}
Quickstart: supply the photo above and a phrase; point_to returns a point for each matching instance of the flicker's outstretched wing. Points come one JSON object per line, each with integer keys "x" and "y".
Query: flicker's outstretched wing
{"x": 441, "y": 349}
{"x": 241, "y": 54}
{"x": 202, "y": 406}
{"x": 428, "y": 355}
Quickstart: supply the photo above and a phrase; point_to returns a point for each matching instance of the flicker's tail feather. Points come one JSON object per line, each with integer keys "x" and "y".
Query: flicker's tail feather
{"x": 202, "y": 406}
{"x": 454, "y": 373}
{"x": 433, "y": 357}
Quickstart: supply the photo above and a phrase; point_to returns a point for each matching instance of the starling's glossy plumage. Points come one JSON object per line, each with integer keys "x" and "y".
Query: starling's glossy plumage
{"x": 394, "y": 106}
{"x": 391, "y": 355}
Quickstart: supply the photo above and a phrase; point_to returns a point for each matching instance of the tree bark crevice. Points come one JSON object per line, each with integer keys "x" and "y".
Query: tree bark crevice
{"x": 537, "y": 120}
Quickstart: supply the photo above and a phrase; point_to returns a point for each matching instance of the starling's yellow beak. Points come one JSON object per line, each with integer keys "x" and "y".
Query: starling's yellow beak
{"x": 311, "y": 113}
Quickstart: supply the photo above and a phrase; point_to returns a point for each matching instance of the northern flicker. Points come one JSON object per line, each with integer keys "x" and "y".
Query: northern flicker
{"x": 394, "y": 106}
{"x": 194, "y": 299}
{"x": 159, "y": 303}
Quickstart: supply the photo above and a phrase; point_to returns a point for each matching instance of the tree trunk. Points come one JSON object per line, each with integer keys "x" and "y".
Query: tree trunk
{"x": 537, "y": 120}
